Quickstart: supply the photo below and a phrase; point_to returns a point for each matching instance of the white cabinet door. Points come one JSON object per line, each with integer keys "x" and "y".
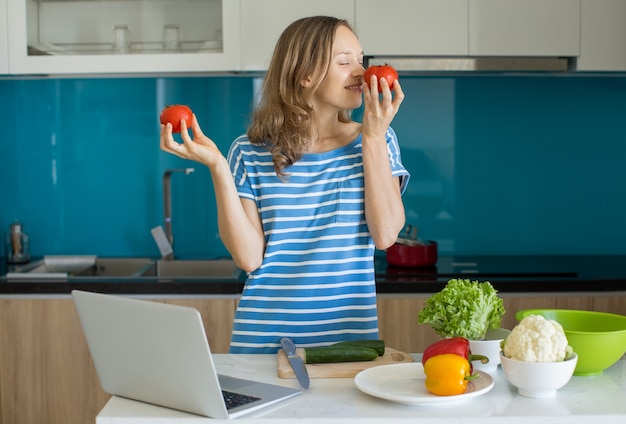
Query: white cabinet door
{"x": 413, "y": 27}
{"x": 524, "y": 27}
{"x": 262, "y": 22}
{"x": 4, "y": 34}
{"x": 34, "y": 26}
{"x": 603, "y": 36}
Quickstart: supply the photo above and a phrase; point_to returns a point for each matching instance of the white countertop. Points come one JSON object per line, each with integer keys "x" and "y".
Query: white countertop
{"x": 582, "y": 400}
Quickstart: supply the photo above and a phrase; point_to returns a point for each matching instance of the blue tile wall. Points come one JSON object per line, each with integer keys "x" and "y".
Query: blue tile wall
{"x": 515, "y": 165}
{"x": 499, "y": 164}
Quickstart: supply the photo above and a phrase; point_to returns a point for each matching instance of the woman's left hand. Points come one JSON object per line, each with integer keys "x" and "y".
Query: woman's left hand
{"x": 380, "y": 109}
{"x": 384, "y": 210}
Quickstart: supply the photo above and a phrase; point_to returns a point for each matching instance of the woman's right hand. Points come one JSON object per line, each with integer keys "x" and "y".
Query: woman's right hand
{"x": 198, "y": 148}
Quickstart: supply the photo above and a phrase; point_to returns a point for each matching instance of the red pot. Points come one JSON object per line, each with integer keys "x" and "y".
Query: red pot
{"x": 423, "y": 254}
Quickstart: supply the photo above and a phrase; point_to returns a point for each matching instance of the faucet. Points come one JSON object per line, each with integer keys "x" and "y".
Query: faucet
{"x": 167, "y": 203}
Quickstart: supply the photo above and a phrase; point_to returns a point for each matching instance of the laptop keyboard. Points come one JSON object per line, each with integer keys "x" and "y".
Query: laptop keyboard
{"x": 234, "y": 400}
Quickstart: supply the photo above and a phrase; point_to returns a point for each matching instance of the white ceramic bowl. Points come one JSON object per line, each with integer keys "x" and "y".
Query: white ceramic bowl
{"x": 538, "y": 379}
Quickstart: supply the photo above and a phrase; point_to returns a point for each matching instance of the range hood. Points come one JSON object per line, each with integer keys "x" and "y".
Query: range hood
{"x": 473, "y": 64}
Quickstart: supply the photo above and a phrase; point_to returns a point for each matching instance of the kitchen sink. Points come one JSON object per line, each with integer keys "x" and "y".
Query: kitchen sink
{"x": 116, "y": 267}
{"x": 84, "y": 267}
{"x": 184, "y": 268}
{"x": 63, "y": 267}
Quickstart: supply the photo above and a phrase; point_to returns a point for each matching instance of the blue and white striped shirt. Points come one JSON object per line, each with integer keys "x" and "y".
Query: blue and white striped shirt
{"x": 316, "y": 283}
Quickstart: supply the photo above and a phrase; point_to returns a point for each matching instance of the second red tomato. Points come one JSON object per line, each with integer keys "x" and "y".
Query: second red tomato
{"x": 381, "y": 71}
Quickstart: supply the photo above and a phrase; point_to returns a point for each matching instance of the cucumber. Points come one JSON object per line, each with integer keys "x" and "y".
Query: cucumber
{"x": 328, "y": 354}
{"x": 377, "y": 345}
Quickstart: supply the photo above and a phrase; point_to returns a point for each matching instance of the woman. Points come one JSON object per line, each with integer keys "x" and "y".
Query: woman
{"x": 306, "y": 196}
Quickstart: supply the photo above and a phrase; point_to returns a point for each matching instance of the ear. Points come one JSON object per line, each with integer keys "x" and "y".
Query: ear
{"x": 306, "y": 82}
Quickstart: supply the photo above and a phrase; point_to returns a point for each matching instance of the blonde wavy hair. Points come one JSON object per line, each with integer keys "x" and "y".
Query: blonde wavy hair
{"x": 284, "y": 120}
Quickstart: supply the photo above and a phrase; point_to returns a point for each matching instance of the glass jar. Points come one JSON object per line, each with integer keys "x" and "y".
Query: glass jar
{"x": 17, "y": 245}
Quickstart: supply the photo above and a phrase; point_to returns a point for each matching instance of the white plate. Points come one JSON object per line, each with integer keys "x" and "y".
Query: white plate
{"x": 404, "y": 383}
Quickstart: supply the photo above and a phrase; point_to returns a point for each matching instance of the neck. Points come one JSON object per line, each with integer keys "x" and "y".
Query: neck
{"x": 333, "y": 134}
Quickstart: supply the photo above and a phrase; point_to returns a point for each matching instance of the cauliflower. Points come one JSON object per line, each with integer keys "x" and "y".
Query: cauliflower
{"x": 536, "y": 339}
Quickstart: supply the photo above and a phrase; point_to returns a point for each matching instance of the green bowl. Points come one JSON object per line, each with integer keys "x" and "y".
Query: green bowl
{"x": 599, "y": 338}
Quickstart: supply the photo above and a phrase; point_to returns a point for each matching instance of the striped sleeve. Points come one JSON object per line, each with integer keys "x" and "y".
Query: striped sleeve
{"x": 395, "y": 159}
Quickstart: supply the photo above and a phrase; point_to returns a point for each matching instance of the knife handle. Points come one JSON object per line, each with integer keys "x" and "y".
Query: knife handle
{"x": 288, "y": 345}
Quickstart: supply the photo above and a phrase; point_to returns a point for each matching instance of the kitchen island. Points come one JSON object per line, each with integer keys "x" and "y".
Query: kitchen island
{"x": 47, "y": 375}
{"x": 583, "y": 400}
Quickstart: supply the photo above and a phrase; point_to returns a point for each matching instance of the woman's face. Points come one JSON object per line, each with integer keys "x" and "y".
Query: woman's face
{"x": 341, "y": 89}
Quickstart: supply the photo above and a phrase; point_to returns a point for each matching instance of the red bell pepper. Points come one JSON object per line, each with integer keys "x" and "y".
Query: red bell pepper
{"x": 456, "y": 345}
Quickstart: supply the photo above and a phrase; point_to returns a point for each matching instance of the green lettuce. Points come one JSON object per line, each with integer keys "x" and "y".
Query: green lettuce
{"x": 463, "y": 308}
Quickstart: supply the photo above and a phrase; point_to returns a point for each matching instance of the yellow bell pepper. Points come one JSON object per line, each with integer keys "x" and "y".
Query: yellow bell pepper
{"x": 447, "y": 374}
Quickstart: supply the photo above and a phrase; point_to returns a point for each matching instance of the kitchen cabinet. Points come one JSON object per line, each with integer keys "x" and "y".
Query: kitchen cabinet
{"x": 603, "y": 33}
{"x": 470, "y": 27}
{"x": 4, "y": 36}
{"x": 262, "y": 22}
{"x": 413, "y": 27}
{"x": 46, "y": 372}
{"x": 524, "y": 27}
{"x": 68, "y": 37}
{"x": 399, "y": 328}
{"x": 424, "y": 27}
{"x": 125, "y": 36}
{"x": 610, "y": 303}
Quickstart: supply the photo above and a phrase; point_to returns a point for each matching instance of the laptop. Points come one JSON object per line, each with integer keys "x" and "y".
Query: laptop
{"x": 159, "y": 353}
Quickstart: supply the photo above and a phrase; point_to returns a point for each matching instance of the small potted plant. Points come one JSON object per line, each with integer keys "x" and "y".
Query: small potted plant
{"x": 470, "y": 309}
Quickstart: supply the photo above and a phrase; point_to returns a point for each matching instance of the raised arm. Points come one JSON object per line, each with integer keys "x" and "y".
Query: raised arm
{"x": 384, "y": 210}
{"x": 238, "y": 219}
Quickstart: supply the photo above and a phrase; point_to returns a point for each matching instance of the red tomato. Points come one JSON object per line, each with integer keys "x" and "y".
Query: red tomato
{"x": 381, "y": 71}
{"x": 174, "y": 114}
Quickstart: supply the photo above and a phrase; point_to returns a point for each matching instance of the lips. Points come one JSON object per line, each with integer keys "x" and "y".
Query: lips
{"x": 357, "y": 88}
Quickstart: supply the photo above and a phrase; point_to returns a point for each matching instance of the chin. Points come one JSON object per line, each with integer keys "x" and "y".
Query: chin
{"x": 356, "y": 104}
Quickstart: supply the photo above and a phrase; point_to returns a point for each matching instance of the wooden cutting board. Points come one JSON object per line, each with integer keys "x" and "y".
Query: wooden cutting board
{"x": 340, "y": 369}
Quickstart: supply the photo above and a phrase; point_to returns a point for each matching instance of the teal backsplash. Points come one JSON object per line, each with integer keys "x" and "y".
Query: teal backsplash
{"x": 500, "y": 164}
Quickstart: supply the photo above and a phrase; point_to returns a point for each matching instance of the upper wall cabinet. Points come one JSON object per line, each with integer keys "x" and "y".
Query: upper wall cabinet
{"x": 469, "y": 27}
{"x": 413, "y": 27}
{"x": 203, "y": 36}
{"x": 603, "y": 36}
{"x": 262, "y": 22}
{"x": 4, "y": 50}
{"x": 524, "y": 27}
{"x": 125, "y": 36}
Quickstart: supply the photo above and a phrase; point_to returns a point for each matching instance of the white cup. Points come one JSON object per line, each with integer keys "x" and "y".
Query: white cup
{"x": 489, "y": 347}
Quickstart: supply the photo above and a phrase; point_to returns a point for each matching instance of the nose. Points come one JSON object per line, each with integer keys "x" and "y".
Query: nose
{"x": 359, "y": 70}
